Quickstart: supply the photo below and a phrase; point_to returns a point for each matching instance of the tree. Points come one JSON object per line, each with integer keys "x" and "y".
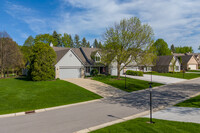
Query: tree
{"x": 45, "y": 38}
{"x": 29, "y": 41}
{"x": 10, "y": 55}
{"x": 84, "y": 42}
{"x": 125, "y": 41}
{"x": 42, "y": 62}
{"x": 57, "y": 39}
{"x": 88, "y": 44}
{"x": 172, "y": 48}
{"x": 185, "y": 49}
{"x": 199, "y": 48}
{"x": 95, "y": 44}
{"x": 77, "y": 41}
{"x": 161, "y": 47}
{"x": 100, "y": 45}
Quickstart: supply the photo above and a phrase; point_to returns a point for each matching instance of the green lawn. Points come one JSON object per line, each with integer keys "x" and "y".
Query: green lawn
{"x": 192, "y": 102}
{"x": 194, "y": 71}
{"x": 18, "y": 95}
{"x": 140, "y": 125}
{"x": 132, "y": 84}
{"x": 177, "y": 75}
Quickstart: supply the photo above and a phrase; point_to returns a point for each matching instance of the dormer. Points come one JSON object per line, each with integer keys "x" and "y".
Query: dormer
{"x": 97, "y": 57}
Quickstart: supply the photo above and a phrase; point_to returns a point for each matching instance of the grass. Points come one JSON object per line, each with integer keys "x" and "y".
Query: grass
{"x": 19, "y": 94}
{"x": 132, "y": 84}
{"x": 140, "y": 125}
{"x": 177, "y": 75}
{"x": 194, "y": 71}
{"x": 192, "y": 102}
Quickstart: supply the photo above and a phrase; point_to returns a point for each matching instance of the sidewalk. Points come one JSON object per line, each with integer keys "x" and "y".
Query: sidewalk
{"x": 183, "y": 114}
{"x": 158, "y": 79}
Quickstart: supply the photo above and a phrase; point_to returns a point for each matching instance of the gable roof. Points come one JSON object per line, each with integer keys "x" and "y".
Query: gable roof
{"x": 83, "y": 53}
{"x": 186, "y": 58}
{"x": 164, "y": 60}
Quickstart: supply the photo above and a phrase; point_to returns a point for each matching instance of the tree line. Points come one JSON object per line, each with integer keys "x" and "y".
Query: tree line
{"x": 162, "y": 48}
{"x": 11, "y": 58}
{"x": 60, "y": 40}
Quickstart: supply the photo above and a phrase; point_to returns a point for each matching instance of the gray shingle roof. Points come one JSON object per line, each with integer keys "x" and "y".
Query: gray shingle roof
{"x": 164, "y": 60}
{"x": 186, "y": 58}
{"x": 83, "y": 53}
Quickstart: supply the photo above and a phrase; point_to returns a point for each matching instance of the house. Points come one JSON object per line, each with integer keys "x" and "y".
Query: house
{"x": 168, "y": 63}
{"x": 77, "y": 62}
{"x": 196, "y": 56}
{"x": 189, "y": 61}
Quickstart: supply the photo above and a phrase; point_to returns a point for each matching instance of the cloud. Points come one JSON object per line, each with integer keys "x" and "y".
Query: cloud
{"x": 177, "y": 22}
{"x": 28, "y": 15}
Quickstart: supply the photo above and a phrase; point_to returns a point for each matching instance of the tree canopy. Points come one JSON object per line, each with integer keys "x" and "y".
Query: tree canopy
{"x": 161, "y": 47}
{"x": 185, "y": 49}
{"x": 29, "y": 41}
{"x": 126, "y": 41}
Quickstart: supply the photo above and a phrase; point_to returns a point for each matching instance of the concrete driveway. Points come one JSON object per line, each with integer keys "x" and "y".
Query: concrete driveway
{"x": 99, "y": 88}
{"x": 158, "y": 79}
{"x": 75, "y": 118}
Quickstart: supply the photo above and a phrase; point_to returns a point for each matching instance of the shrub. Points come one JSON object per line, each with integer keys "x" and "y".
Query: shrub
{"x": 199, "y": 67}
{"x": 134, "y": 73}
{"x": 94, "y": 72}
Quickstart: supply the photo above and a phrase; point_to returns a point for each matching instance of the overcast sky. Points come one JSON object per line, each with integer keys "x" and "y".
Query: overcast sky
{"x": 176, "y": 21}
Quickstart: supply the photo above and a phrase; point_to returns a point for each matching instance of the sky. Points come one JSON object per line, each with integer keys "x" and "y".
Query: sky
{"x": 176, "y": 21}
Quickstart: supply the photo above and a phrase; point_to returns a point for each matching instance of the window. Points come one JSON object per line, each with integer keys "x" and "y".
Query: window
{"x": 177, "y": 68}
{"x": 97, "y": 58}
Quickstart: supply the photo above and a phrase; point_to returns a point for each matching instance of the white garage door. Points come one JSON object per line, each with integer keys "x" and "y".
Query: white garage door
{"x": 65, "y": 73}
{"x": 192, "y": 67}
{"x": 114, "y": 71}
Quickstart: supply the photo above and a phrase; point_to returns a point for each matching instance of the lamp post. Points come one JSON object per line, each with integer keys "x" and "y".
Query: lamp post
{"x": 150, "y": 99}
{"x": 125, "y": 80}
{"x": 183, "y": 72}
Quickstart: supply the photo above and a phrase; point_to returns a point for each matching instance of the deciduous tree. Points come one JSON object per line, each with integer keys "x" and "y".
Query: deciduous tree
{"x": 125, "y": 41}
{"x": 161, "y": 47}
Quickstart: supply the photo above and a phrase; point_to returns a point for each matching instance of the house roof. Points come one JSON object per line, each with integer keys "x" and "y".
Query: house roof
{"x": 178, "y": 54}
{"x": 83, "y": 53}
{"x": 61, "y": 53}
{"x": 164, "y": 60}
{"x": 186, "y": 58}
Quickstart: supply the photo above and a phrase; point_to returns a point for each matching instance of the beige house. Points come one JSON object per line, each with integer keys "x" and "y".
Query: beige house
{"x": 189, "y": 62}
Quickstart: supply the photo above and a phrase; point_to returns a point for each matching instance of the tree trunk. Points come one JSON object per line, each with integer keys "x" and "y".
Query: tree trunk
{"x": 118, "y": 71}
{"x": 7, "y": 73}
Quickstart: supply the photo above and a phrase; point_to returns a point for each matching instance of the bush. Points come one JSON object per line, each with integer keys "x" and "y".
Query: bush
{"x": 134, "y": 73}
{"x": 94, "y": 72}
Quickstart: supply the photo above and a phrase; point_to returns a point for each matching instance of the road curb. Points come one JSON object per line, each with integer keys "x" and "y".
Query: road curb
{"x": 47, "y": 109}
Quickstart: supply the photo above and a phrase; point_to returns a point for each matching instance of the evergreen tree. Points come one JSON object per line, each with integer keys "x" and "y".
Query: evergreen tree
{"x": 77, "y": 41}
{"x": 172, "y": 48}
{"x": 84, "y": 42}
{"x": 70, "y": 41}
{"x": 88, "y": 44}
{"x": 100, "y": 45}
{"x": 42, "y": 62}
{"x": 96, "y": 44}
{"x": 65, "y": 40}
{"x": 57, "y": 39}
{"x": 29, "y": 41}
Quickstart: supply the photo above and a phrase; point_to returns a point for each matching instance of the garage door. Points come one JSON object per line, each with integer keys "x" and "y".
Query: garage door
{"x": 69, "y": 73}
{"x": 192, "y": 67}
{"x": 114, "y": 71}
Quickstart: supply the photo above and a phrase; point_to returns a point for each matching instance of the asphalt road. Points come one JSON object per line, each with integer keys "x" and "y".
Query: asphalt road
{"x": 75, "y": 118}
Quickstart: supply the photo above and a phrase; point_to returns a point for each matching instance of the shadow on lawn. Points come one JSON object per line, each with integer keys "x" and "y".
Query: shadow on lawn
{"x": 24, "y": 78}
{"x": 163, "y": 96}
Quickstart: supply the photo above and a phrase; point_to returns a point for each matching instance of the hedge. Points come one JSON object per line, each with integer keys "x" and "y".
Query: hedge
{"x": 134, "y": 73}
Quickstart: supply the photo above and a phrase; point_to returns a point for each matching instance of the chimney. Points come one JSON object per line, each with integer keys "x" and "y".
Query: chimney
{"x": 91, "y": 46}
